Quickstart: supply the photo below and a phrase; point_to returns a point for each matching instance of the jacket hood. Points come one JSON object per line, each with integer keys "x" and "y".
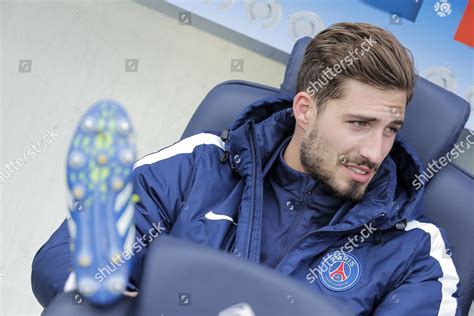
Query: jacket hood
{"x": 390, "y": 197}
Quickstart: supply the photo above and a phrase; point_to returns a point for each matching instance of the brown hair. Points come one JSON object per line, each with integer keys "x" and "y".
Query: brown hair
{"x": 386, "y": 64}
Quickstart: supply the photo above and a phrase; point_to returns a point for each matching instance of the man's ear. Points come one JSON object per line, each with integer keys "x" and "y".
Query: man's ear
{"x": 304, "y": 109}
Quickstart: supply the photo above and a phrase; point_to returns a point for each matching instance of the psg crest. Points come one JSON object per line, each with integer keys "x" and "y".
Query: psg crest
{"x": 339, "y": 271}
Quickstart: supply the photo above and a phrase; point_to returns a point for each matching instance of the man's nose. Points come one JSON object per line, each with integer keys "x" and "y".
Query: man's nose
{"x": 373, "y": 149}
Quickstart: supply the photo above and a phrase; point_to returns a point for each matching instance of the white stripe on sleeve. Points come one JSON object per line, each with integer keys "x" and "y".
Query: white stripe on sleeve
{"x": 450, "y": 278}
{"x": 184, "y": 146}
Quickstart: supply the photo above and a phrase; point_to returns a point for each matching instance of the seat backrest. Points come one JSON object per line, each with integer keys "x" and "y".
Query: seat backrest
{"x": 223, "y": 103}
{"x": 434, "y": 120}
{"x": 217, "y": 283}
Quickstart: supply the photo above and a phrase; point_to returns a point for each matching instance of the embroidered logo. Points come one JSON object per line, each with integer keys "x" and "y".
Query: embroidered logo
{"x": 339, "y": 271}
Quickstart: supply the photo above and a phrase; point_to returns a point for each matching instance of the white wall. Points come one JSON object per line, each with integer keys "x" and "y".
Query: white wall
{"x": 78, "y": 51}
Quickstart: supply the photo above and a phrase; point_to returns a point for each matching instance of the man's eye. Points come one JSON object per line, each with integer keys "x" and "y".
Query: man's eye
{"x": 393, "y": 130}
{"x": 359, "y": 124}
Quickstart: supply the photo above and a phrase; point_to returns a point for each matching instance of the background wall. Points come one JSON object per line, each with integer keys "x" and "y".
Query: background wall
{"x": 78, "y": 51}
{"x": 442, "y": 46}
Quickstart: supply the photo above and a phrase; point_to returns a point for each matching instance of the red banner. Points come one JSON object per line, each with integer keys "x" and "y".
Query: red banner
{"x": 465, "y": 31}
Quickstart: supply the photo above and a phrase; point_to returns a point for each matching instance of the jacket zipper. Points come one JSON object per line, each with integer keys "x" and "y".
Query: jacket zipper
{"x": 299, "y": 241}
{"x": 252, "y": 209}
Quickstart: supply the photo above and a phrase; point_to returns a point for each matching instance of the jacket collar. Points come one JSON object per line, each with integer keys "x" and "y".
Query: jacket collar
{"x": 299, "y": 184}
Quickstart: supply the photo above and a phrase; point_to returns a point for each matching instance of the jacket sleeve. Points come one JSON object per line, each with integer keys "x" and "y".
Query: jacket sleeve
{"x": 161, "y": 181}
{"x": 51, "y": 266}
{"x": 162, "y": 184}
{"x": 430, "y": 284}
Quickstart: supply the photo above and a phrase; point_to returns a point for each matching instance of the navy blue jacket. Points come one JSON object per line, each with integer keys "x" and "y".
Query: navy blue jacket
{"x": 379, "y": 256}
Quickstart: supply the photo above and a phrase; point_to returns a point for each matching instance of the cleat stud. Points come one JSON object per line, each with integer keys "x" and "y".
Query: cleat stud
{"x": 102, "y": 159}
{"x": 116, "y": 285}
{"x": 87, "y": 287}
{"x": 126, "y": 156}
{"x": 84, "y": 261}
{"x": 123, "y": 127}
{"x": 78, "y": 192}
{"x": 90, "y": 124}
{"x": 77, "y": 160}
{"x": 117, "y": 184}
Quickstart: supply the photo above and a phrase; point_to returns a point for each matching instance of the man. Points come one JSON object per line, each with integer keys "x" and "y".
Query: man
{"x": 317, "y": 186}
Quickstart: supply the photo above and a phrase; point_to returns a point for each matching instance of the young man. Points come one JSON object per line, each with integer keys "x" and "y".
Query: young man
{"x": 317, "y": 186}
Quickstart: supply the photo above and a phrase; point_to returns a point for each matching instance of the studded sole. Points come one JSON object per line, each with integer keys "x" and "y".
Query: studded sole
{"x": 99, "y": 166}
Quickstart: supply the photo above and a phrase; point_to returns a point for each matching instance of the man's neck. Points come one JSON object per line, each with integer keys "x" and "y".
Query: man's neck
{"x": 292, "y": 156}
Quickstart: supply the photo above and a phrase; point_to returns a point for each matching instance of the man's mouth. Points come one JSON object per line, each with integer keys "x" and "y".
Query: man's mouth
{"x": 359, "y": 173}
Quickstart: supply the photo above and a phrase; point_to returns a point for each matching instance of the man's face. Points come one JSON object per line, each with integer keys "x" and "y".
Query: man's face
{"x": 346, "y": 143}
